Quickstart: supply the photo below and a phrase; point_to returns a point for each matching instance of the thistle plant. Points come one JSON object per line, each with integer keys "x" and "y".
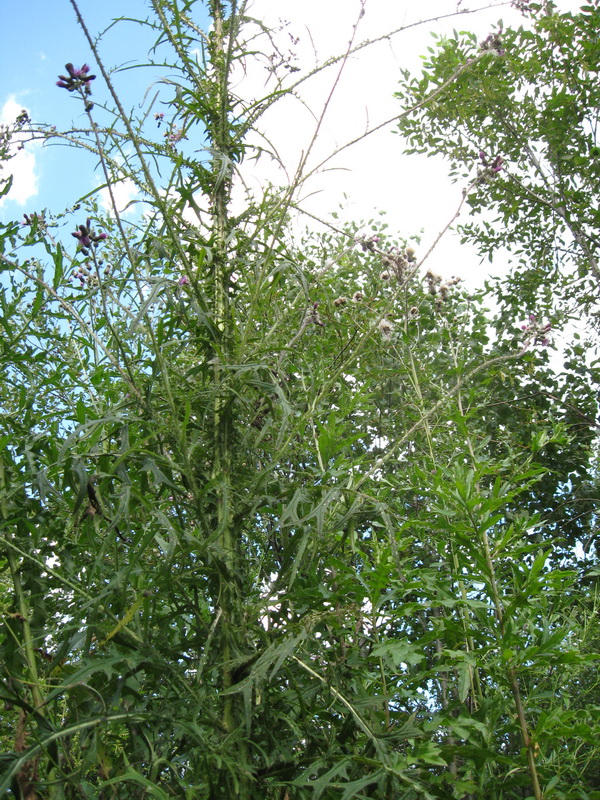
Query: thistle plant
{"x": 279, "y": 516}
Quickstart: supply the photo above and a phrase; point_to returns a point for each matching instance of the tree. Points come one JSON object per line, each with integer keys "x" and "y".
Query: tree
{"x": 257, "y": 537}
{"x": 518, "y": 126}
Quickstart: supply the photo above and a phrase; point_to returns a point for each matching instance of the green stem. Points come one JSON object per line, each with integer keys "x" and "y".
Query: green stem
{"x": 220, "y": 46}
{"x": 499, "y": 610}
{"x": 29, "y": 651}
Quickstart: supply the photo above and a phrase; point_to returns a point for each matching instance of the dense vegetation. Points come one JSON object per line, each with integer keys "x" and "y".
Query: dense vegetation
{"x": 294, "y": 517}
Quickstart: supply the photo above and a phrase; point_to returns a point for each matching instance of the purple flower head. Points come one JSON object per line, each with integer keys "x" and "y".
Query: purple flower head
{"x": 367, "y": 243}
{"x": 184, "y": 280}
{"x": 86, "y": 237}
{"x": 535, "y": 332}
{"x": 82, "y": 234}
{"x": 82, "y": 72}
{"x": 496, "y": 165}
{"x": 31, "y": 219}
{"x": 76, "y": 79}
{"x": 174, "y": 136}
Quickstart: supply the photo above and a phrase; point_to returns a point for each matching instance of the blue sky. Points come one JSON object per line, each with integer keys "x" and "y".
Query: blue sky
{"x": 38, "y": 38}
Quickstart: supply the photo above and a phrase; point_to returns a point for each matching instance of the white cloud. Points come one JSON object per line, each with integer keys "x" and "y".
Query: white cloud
{"x": 23, "y": 165}
{"x": 123, "y": 192}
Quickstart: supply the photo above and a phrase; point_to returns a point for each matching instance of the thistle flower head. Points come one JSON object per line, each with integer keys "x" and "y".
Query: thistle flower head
{"x": 86, "y": 237}
{"x": 386, "y": 328}
{"x": 536, "y": 332}
{"x": 78, "y": 78}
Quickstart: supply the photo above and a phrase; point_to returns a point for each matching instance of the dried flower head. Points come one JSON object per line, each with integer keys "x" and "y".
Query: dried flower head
{"x": 385, "y": 275}
{"x": 386, "y": 328}
{"x": 493, "y": 43}
{"x": 358, "y": 297}
{"x": 313, "y": 316}
{"x": 433, "y": 281}
{"x": 340, "y": 301}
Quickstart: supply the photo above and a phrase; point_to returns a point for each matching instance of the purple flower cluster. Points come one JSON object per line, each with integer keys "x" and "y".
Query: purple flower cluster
{"x": 536, "y": 332}
{"x": 77, "y": 79}
{"x": 496, "y": 165}
{"x": 174, "y": 135}
{"x": 86, "y": 237}
{"x": 33, "y": 219}
{"x": 367, "y": 243}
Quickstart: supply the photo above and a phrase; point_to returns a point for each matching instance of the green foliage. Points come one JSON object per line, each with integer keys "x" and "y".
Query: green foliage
{"x": 279, "y": 520}
{"x": 527, "y": 101}
{"x": 529, "y": 97}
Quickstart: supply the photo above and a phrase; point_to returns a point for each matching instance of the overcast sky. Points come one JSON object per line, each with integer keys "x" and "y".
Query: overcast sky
{"x": 374, "y": 176}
